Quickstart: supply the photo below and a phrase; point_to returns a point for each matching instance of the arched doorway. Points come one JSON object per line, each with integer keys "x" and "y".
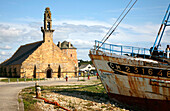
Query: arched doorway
{"x": 49, "y": 73}
{"x": 59, "y": 71}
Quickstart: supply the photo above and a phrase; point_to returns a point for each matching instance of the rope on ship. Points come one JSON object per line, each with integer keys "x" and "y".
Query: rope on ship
{"x": 108, "y": 34}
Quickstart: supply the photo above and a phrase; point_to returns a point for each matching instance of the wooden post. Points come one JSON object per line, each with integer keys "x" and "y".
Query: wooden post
{"x": 38, "y": 90}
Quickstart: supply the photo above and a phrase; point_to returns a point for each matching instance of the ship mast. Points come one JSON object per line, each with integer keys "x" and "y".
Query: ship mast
{"x": 163, "y": 25}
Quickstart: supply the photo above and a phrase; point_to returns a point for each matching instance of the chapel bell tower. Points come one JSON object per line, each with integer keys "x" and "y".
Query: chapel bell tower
{"x": 47, "y": 30}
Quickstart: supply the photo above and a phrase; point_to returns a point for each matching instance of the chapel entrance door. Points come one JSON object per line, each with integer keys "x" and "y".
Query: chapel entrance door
{"x": 49, "y": 73}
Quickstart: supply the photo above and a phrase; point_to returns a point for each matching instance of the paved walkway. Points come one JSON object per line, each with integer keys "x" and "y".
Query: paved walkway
{"x": 9, "y": 91}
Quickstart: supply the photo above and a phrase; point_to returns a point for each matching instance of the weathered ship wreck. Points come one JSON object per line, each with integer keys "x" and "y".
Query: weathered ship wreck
{"x": 136, "y": 77}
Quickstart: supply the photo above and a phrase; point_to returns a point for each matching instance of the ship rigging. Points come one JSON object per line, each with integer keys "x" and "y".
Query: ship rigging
{"x": 136, "y": 77}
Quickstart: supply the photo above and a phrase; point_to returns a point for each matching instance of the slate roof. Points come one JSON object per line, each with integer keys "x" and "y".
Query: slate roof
{"x": 22, "y": 53}
{"x": 65, "y": 45}
{"x": 83, "y": 66}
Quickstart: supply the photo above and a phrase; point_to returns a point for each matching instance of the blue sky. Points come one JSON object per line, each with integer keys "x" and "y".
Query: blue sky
{"x": 80, "y": 22}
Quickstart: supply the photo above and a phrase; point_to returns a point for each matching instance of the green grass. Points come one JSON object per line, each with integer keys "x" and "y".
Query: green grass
{"x": 89, "y": 104}
{"x": 29, "y": 103}
{"x": 20, "y": 79}
{"x": 19, "y": 100}
{"x": 96, "y": 88}
{"x": 103, "y": 106}
{"x": 95, "y": 91}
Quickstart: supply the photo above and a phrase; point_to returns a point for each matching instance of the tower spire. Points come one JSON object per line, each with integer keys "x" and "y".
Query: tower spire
{"x": 47, "y": 30}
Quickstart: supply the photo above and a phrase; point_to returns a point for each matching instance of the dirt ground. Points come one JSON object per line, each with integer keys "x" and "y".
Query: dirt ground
{"x": 75, "y": 99}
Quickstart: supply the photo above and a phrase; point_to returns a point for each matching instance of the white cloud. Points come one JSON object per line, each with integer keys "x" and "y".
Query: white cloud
{"x": 81, "y": 33}
{"x": 3, "y": 53}
{"x": 81, "y": 44}
{"x": 144, "y": 29}
{"x": 134, "y": 33}
{"x": 18, "y": 32}
{"x": 6, "y": 47}
{"x": 72, "y": 31}
{"x": 81, "y": 22}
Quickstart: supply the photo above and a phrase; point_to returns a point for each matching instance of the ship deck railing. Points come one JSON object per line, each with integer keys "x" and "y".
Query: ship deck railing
{"x": 110, "y": 49}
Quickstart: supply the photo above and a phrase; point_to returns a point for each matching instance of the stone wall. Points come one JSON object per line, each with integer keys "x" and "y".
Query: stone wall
{"x": 48, "y": 56}
{"x": 72, "y": 54}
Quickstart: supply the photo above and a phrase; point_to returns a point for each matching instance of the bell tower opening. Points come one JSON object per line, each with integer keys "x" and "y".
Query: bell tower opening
{"x": 48, "y": 26}
{"x": 47, "y": 29}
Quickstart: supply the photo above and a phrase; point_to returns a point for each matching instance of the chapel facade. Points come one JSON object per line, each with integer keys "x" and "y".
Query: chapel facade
{"x": 42, "y": 59}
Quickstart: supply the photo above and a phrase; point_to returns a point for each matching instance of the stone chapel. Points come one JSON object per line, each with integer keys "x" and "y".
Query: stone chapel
{"x": 42, "y": 59}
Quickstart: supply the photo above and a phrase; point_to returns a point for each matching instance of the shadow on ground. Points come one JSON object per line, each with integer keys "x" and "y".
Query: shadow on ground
{"x": 94, "y": 93}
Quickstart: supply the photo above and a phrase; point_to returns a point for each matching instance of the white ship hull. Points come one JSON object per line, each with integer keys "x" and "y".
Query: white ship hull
{"x": 144, "y": 91}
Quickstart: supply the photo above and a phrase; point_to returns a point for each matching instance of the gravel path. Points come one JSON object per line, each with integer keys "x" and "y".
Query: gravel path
{"x": 75, "y": 104}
